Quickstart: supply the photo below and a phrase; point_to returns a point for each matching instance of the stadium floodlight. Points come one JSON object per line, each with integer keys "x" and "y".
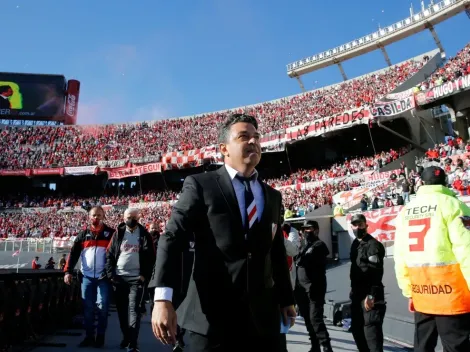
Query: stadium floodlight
{"x": 426, "y": 19}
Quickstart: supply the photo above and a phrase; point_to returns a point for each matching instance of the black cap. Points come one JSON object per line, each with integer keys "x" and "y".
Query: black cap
{"x": 310, "y": 223}
{"x": 358, "y": 218}
{"x": 434, "y": 175}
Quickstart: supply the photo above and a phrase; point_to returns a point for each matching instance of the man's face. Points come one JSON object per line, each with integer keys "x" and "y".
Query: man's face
{"x": 96, "y": 214}
{"x": 153, "y": 227}
{"x": 8, "y": 93}
{"x": 359, "y": 225}
{"x": 243, "y": 145}
{"x": 130, "y": 216}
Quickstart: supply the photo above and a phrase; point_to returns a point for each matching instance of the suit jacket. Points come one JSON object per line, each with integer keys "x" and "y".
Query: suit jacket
{"x": 235, "y": 282}
{"x": 4, "y": 103}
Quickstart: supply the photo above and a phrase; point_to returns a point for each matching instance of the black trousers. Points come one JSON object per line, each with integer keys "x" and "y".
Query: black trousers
{"x": 312, "y": 310}
{"x": 366, "y": 327}
{"x": 454, "y": 331}
{"x": 129, "y": 296}
{"x": 204, "y": 343}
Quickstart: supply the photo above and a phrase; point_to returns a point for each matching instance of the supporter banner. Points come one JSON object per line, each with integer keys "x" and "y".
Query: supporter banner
{"x": 80, "y": 170}
{"x": 144, "y": 205}
{"x": 133, "y": 171}
{"x": 401, "y": 95}
{"x": 36, "y": 210}
{"x": 315, "y": 184}
{"x": 376, "y": 181}
{"x": 273, "y": 138}
{"x": 393, "y": 108}
{"x": 381, "y": 224}
{"x": 146, "y": 159}
{"x": 377, "y": 178}
{"x": 333, "y": 123}
{"x": 272, "y": 148}
{"x": 111, "y": 163}
{"x": 63, "y": 242}
{"x": 444, "y": 90}
{"x": 71, "y": 210}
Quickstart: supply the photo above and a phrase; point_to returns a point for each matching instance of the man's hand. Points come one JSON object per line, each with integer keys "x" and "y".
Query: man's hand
{"x": 288, "y": 315}
{"x": 164, "y": 322}
{"x": 368, "y": 303}
{"x": 411, "y": 306}
{"x": 68, "y": 278}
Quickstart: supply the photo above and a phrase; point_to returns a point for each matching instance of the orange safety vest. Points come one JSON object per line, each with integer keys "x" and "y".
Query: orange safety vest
{"x": 432, "y": 257}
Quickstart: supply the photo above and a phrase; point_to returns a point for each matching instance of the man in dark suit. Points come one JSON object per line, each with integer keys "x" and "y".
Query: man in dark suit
{"x": 240, "y": 285}
{"x": 5, "y": 93}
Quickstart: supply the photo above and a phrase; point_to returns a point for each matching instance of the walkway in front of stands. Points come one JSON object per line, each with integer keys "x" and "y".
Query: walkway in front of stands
{"x": 297, "y": 339}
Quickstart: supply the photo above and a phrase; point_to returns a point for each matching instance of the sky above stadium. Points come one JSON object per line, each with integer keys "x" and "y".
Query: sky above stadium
{"x": 152, "y": 59}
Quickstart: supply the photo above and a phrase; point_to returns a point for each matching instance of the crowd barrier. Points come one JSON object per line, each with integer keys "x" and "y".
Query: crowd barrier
{"x": 34, "y": 304}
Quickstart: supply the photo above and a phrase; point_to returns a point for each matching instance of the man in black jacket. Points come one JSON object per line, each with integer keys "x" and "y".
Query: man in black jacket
{"x": 311, "y": 285}
{"x": 240, "y": 284}
{"x": 130, "y": 260}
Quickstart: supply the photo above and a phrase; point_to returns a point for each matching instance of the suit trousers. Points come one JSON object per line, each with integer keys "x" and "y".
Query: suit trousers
{"x": 454, "y": 331}
{"x": 366, "y": 327}
{"x": 129, "y": 296}
{"x": 204, "y": 343}
{"x": 312, "y": 309}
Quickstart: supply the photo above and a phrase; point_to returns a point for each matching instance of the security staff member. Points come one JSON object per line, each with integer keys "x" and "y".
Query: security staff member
{"x": 432, "y": 264}
{"x": 311, "y": 286}
{"x": 367, "y": 291}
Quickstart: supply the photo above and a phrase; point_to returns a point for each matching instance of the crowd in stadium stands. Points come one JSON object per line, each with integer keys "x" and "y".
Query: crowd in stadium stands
{"x": 59, "y": 223}
{"x": 27, "y": 201}
{"x": 455, "y": 67}
{"x": 48, "y": 146}
{"x": 453, "y": 157}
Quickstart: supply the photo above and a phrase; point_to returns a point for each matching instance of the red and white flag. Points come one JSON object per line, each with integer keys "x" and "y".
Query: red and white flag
{"x": 15, "y": 254}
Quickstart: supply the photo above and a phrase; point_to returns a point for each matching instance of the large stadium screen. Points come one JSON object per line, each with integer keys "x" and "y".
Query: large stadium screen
{"x": 30, "y": 96}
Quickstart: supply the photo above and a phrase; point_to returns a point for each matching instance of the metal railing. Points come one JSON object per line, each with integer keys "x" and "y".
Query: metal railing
{"x": 40, "y": 245}
{"x": 433, "y": 9}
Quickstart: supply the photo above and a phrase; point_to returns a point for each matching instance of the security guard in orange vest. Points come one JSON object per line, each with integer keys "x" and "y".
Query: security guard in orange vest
{"x": 432, "y": 264}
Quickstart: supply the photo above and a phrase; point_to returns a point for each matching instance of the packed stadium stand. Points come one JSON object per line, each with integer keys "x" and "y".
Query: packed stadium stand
{"x": 51, "y": 146}
{"x": 47, "y": 146}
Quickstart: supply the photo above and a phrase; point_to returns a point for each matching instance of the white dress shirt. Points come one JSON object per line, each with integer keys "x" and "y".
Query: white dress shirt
{"x": 166, "y": 293}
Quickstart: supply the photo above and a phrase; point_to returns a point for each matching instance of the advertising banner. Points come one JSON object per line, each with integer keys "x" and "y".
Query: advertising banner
{"x": 71, "y": 103}
{"x": 24, "y": 96}
{"x": 444, "y": 90}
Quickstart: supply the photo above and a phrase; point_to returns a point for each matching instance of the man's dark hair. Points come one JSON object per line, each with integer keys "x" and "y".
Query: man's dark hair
{"x": 224, "y": 129}
{"x": 4, "y": 89}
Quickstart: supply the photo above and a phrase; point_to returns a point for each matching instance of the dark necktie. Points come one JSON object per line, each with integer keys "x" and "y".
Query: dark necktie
{"x": 250, "y": 204}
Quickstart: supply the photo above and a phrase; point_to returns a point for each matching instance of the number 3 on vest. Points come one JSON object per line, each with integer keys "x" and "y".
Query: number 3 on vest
{"x": 419, "y": 236}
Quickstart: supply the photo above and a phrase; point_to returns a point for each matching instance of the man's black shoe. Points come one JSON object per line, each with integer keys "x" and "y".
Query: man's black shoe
{"x": 99, "y": 342}
{"x": 124, "y": 344}
{"x": 180, "y": 342}
{"x": 87, "y": 342}
{"x": 178, "y": 348}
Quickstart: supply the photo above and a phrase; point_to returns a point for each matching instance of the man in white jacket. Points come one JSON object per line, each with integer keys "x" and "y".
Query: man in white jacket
{"x": 292, "y": 243}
